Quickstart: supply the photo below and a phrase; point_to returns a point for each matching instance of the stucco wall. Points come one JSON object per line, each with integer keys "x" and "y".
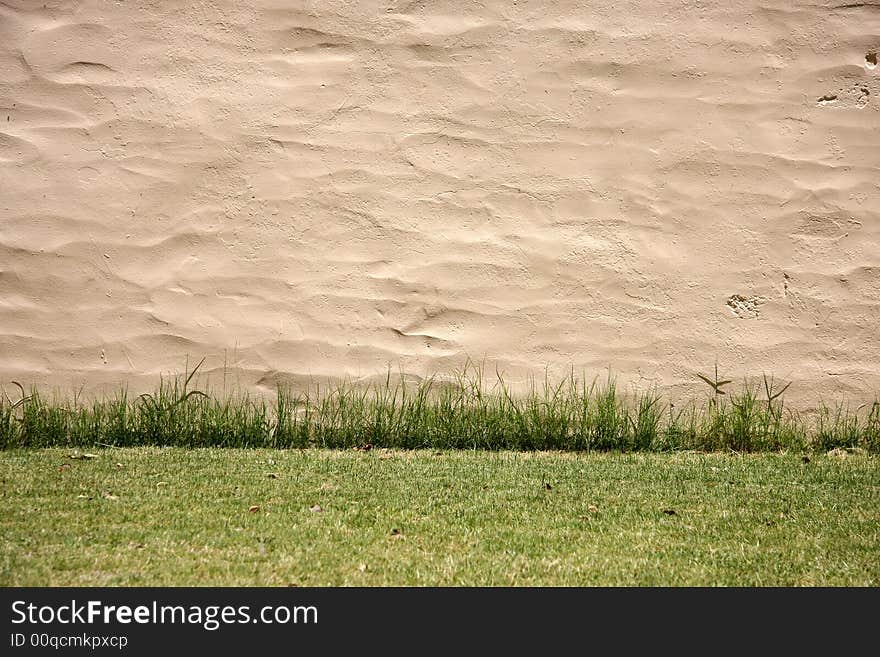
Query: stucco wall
{"x": 324, "y": 188}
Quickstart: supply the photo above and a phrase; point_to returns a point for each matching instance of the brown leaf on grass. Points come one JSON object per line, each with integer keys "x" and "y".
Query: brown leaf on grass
{"x": 316, "y": 509}
{"x": 272, "y": 475}
{"x": 670, "y": 512}
{"x": 593, "y": 510}
{"x": 253, "y": 509}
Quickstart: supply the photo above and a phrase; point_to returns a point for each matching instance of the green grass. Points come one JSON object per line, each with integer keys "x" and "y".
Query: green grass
{"x": 464, "y": 411}
{"x": 167, "y": 516}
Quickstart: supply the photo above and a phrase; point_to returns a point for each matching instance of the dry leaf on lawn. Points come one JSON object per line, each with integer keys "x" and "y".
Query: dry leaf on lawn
{"x": 75, "y": 454}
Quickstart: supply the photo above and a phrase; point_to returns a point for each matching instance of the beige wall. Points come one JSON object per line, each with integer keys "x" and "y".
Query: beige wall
{"x": 325, "y": 188}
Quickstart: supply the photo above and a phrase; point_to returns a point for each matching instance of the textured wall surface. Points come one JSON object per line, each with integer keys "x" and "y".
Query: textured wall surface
{"x": 323, "y": 188}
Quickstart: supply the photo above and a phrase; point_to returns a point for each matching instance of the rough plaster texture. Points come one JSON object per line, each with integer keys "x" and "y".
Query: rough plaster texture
{"x": 324, "y": 188}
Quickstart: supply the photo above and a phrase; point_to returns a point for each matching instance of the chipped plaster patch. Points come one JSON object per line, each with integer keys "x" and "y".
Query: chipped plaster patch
{"x": 745, "y": 307}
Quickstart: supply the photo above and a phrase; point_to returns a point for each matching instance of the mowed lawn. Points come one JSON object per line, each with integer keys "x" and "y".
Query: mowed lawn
{"x": 151, "y": 516}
